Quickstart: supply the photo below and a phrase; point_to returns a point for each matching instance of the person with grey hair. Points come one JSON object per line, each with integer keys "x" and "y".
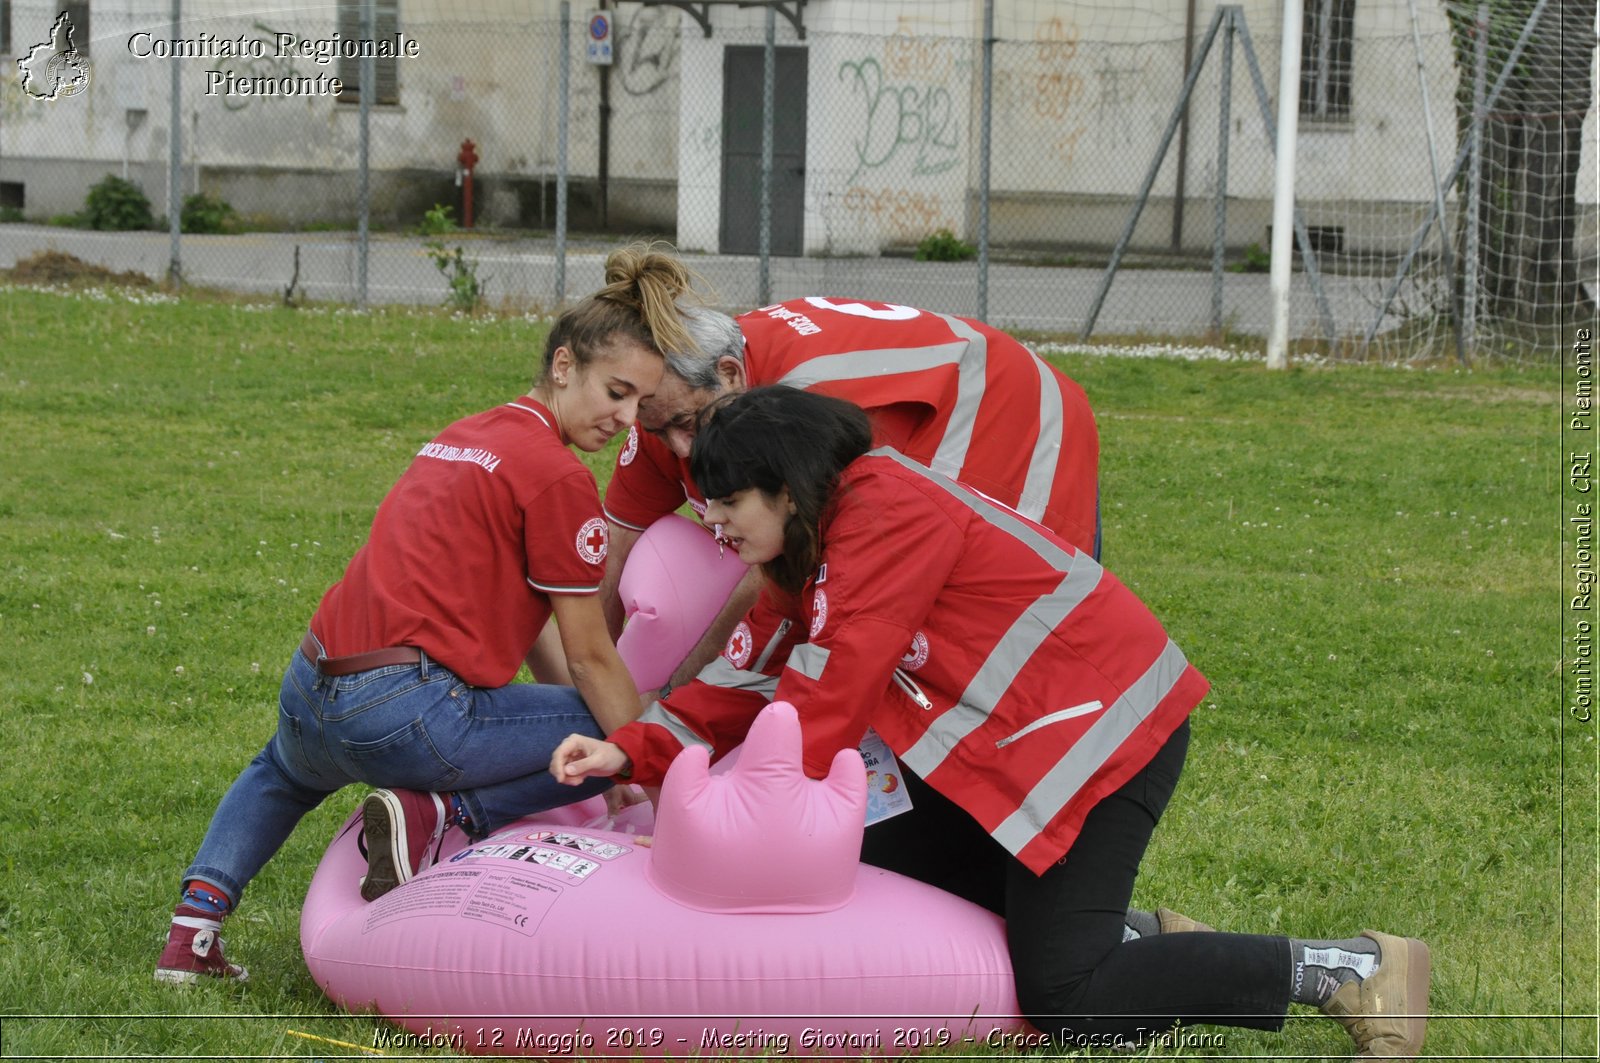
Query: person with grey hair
{"x": 950, "y": 392}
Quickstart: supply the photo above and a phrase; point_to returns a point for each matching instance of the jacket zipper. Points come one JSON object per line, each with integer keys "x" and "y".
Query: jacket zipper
{"x": 913, "y": 691}
{"x": 772, "y": 644}
{"x": 1054, "y": 717}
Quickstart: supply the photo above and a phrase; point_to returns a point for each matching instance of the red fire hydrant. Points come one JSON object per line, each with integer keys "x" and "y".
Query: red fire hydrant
{"x": 468, "y": 159}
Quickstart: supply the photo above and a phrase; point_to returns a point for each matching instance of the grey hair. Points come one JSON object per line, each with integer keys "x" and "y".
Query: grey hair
{"x": 715, "y": 335}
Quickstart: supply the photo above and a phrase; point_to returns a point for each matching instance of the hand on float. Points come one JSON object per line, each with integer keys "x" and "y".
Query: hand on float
{"x": 578, "y": 757}
{"x": 621, "y": 797}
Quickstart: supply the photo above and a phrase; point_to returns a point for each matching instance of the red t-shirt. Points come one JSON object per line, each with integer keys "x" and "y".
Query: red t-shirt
{"x": 952, "y": 393}
{"x": 492, "y": 517}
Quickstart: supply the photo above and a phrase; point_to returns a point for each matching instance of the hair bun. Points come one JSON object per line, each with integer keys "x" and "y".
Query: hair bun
{"x": 651, "y": 278}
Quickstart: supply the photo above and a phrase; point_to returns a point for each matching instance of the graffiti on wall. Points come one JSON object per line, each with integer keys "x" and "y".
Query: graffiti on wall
{"x": 908, "y": 55}
{"x": 899, "y": 123}
{"x": 701, "y": 148}
{"x": 905, "y": 215}
{"x": 1058, "y": 87}
{"x": 269, "y": 64}
{"x": 648, "y": 51}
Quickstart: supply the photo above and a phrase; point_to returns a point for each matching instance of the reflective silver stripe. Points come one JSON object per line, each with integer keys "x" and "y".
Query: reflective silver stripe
{"x": 1062, "y": 782}
{"x": 657, "y": 714}
{"x": 970, "y": 383}
{"x": 1000, "y": 516}
{"x": 864, "y": 365}
{"x": 772, "y": 644}
{"x": 721, "y": 673}
{"x": 995, "y": 676}
{"x": 619, "y": 522}
{"x": 809, "y": 660}
{"x": 1046, "y": 449}
{"x": 551, "y": 588}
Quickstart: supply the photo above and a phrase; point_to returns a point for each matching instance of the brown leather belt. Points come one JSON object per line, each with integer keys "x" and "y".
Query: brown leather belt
{"x": 357, "y": 662}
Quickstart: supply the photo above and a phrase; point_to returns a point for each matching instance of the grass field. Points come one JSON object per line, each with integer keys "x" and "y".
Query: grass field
{"x": 1364, "y": 562}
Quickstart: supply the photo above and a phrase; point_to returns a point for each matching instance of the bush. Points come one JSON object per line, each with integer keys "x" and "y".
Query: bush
{"x": 466, "y": 288}
{"x": 9, "y": 214}
{"x": 207, "y": 214}
{"x": 944, "y": 246}
{"x": 118, "y": 205}
{"x": 438, "y": 221}
{"x": 1255, "y": 261}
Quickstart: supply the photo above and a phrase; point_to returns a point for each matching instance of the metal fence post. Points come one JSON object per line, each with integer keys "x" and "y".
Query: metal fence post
{"x": 1283, "y": 182}
{"x": 1308, "y": 257}
{"x": 369, "y": 85}
{"x": 1220, "y": 215}
{"x": 985, "y": 132}
{"x": 564, "y": 99}
{"x": 1469, "y": 267}
{"x": 769, "y": 74}
{"x": 175, "y": 158}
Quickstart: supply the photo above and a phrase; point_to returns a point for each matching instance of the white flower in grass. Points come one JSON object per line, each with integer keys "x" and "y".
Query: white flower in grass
{"x": 88, "y": 680}
{"x": 178, "y": 670}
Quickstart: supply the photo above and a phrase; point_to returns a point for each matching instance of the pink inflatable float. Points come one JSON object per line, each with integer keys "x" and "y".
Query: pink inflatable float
{"x": 748, "y": 927}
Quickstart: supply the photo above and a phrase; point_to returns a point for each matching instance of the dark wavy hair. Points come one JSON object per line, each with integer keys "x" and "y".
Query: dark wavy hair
{"x": 774, "y": 437}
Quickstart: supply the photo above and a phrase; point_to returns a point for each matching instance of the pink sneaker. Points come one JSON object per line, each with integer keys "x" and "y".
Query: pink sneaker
{"x": 194, "y": 949}
{"x": 400, "y": 827}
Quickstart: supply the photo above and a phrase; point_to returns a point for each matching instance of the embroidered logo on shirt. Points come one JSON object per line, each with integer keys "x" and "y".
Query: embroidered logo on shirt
{"x": 740, "y": 643}
{"x": 592, "y": 540}
{"x": 917, "y": 655}
{"x": 819, "y": 611}
{"x": 630, "y": 449}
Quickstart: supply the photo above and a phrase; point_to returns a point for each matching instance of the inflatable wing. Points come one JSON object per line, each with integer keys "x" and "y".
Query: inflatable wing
{"x": 673, "y": 586}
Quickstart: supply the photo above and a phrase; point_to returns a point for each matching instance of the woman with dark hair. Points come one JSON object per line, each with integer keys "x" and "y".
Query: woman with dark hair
{"x": 1038, "y": 710}
{"x": 404, "y": 679}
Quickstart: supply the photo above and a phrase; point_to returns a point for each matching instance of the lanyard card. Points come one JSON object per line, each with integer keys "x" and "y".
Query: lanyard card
{"x": 886, "y": 790}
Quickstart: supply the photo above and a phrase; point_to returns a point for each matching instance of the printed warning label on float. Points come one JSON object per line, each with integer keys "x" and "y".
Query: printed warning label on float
{"x": 599, "y": 848}
{"x": 574, "y": 865}
{"x": 440, "y": 893}
{"x": 516, "y": 901}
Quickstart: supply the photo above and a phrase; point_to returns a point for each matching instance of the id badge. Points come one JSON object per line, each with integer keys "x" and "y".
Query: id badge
{"x": 886, "y": 788}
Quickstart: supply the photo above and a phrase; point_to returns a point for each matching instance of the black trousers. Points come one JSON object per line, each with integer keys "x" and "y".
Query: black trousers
{"x": 1076, "y": 978}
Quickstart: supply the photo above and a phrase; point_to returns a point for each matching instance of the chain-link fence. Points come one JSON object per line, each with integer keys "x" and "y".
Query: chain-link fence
{"x": 1088, "y": 169}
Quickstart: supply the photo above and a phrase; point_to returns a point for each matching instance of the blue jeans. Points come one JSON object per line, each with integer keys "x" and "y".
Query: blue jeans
{"x": 413, "y": 726}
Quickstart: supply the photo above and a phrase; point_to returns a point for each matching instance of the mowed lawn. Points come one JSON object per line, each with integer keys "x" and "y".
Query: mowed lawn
{"x": 1363, "y": 561}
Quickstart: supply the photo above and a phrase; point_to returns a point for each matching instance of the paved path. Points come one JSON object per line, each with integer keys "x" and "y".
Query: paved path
{"x": 523, "y": 271}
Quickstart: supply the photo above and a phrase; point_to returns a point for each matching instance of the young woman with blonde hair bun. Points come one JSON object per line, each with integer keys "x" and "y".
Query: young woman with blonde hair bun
{"x": 404, "y": 678}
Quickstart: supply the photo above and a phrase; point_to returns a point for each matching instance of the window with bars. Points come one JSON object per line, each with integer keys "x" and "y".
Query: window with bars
{"x": 1326, "y": 44}
{"x": 385, "y": 24}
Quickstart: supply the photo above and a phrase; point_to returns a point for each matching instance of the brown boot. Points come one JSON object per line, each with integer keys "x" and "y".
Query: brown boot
{"x": 1387, "y": 1012}
{"x": 1175, "y": 923}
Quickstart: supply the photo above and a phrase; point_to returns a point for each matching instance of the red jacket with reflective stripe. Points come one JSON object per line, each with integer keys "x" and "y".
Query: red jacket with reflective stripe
{"x": 955, "y": 394}
{"x": 1008, "y": 670}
